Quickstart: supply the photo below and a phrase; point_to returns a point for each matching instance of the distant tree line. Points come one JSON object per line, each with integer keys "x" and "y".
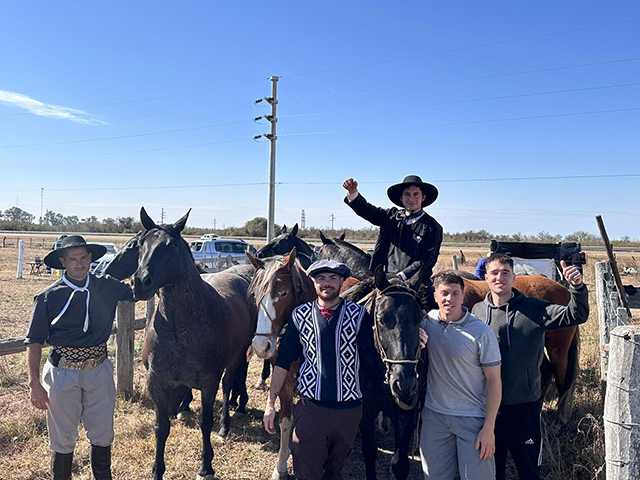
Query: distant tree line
{"x": 17, "y": 219}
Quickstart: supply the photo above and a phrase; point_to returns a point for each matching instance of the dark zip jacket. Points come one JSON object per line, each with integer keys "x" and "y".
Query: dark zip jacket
{"x": 521, "y": 340}
{"x": 401, "y": 247}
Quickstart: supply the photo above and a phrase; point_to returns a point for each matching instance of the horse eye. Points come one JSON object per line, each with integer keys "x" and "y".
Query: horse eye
{"x": 284, "y": 294}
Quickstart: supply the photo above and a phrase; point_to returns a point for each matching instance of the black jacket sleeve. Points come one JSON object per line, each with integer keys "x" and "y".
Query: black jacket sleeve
{"x": 290, "y": 348}
{"x": 372, "y": 214}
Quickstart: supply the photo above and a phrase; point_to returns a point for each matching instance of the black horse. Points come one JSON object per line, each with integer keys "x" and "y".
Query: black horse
{"x": 396, "y": 316}
{"x": 284, "y": 243}
{"x": 199, "y": 333}
{"x": 342, "y": 251}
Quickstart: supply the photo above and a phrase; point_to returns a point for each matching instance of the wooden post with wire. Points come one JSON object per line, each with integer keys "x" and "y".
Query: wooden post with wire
{"x": 622, "y": 405}
{"x": 614, "y": 265}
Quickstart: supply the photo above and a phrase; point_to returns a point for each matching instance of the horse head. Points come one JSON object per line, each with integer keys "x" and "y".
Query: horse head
{"x": 125, "y": 263}
{"x": 278, "y": 286}
{"x": 284, "y": 243}
{"x": 164, "y": 257}
{"x": 396, "y": 322}
{"x": 280, "y": 245}
{"x": 342, "y": 251}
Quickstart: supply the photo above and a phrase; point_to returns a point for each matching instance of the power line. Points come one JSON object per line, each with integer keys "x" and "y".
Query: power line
{"x": 454, "y": 102}
{"x": 468, "y": 79}
{"x": 68, "y": 142}
{"x": 336, "y": 183}
{"x": 470, "y": 122}
{"x": 461, "y": 49}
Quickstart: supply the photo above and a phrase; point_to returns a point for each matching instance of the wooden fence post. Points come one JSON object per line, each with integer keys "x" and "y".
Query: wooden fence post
{"x": 608, "y": 304}
{"x": 124, "y": 348}
{"x": 622, "y": 405}
{"x": 20, "y": 259}
{"x": 454, "y": 262}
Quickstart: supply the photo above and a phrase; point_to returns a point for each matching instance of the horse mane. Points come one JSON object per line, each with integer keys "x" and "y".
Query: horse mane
{"x": 351, "y": 246}
{"x": 265, "y": 277}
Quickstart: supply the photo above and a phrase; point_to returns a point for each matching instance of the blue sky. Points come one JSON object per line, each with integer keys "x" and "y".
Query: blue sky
{"x": 523, "y": 114}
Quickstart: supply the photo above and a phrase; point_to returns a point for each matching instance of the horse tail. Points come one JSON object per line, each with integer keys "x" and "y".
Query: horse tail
{"x": 565, "y": 401}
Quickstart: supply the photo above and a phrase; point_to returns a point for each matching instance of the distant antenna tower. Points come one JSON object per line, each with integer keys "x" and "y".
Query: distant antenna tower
{"x": 302, "y": 219}
{"x": 332, "y": 219}
{"x": 162, "y": 216}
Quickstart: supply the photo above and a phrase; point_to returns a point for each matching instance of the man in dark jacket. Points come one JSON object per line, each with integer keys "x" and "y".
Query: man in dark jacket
{"x": 75, "y": 316}
{"x": 520, "y": 323}
{"x": 409, "y": 238}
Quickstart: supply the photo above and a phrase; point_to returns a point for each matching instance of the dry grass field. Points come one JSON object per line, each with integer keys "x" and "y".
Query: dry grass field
{"x": 573, "y": 451}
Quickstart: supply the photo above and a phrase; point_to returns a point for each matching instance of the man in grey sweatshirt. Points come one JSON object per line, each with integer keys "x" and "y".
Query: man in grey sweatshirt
{"x": 520, "y": 323}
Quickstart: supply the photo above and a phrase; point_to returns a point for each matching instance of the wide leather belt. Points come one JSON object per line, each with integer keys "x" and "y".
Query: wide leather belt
{"x": 72, "y": 358}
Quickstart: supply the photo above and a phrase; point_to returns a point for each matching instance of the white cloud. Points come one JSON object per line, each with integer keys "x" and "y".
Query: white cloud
{"x": 46, "y": 110}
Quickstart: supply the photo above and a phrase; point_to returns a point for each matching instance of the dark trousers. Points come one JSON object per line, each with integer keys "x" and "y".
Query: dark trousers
{"x": 322, "y": 440}
{"x": 518, "y": 431}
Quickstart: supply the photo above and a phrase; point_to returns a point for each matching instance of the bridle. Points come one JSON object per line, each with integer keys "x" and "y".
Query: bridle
{"x": 399, "y": 290}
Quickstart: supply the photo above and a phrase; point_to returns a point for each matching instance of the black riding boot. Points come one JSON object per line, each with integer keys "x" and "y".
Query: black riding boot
{"x": 61, "y": 465}
{"x": 101, "y": 462}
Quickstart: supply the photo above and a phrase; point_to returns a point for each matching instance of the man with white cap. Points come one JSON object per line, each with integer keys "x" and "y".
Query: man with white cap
{"x": 409, "y": 238}
{"x": 75, "y": 316}
{"x": 332, "y": 337}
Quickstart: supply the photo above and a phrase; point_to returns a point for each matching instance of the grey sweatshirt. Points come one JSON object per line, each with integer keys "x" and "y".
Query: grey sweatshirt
{"x": 521, "y": 339}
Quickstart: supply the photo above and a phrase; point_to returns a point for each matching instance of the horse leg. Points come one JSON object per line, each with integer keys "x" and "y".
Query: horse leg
{"x": 266, "y": 371}
{"x": 240, "y": 395}
{"x": 567, "y": 390}
{"x": 227, "y": 383}
{"x": 162, "y": 428}
{"x": 404, "y": 424}
{"x": 280, "y": 472}
{"x": 368, "y": 434}
{"x": 206, "y": 425}
{"x": 563, "y": 350}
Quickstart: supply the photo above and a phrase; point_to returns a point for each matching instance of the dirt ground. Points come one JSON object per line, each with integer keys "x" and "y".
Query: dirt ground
{"x": 572, "y": 451}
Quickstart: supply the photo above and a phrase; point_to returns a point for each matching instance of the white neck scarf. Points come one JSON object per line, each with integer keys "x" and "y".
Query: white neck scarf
{"x": 75, "y": 289}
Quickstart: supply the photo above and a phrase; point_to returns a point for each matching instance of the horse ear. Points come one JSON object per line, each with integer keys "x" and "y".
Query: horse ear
{"x": 294, "y": 230}
{"x": 290, "y": 259}
{"x": 255, "y": 261}
{"x": 380, "y": 278}
{"x": 283, "y": 229}
{"x": 415, "y": 280}
{"x": 147, "y": 223}
{"x": 341, "y": 237}
{"x": 325, "y": 240}
{"x": 179, "y": 224}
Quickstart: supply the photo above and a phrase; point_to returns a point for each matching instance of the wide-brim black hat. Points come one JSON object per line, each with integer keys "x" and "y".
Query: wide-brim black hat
{"x": 53, "y": 258}
{"x": 394, "y": 192}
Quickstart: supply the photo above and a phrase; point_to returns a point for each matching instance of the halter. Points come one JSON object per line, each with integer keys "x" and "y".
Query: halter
{"x": 403, "y": 290}
{"x": 266, "y": 312}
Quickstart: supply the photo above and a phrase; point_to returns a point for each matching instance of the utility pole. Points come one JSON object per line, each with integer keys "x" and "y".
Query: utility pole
{"x": 302, "y": 220}
{"x": 41, "y": 202}
{"x": 272, "y": 137}
{"x": 162, "y": 216}
{"x": 214, "y": 223}
{"x": 332, "y": 219}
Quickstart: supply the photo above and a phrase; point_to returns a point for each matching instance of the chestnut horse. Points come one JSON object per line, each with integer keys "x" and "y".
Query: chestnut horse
{"x": 279, "y": 285}
{"x": 562, "y": 345}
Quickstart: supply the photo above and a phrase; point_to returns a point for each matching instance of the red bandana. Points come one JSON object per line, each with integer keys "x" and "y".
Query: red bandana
{"x": 326, "y": 313}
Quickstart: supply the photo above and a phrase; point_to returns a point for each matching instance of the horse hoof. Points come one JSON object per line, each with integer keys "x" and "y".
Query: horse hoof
{"x": 260, "y": 385}
{"x": 205, "y": 477}
{"x": 238, "y": 414}
{"x": 184, "y": 415}
{"x": 281, "y": 476}
{"x": 223, "y": 436}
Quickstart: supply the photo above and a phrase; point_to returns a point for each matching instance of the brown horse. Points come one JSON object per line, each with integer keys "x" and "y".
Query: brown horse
{"x": 562, "y": 345}
{"x": 279, "y": 285}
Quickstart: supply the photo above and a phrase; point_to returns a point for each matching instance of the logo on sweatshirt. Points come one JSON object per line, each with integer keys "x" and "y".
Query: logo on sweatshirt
{"x": 529, "y": 442}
